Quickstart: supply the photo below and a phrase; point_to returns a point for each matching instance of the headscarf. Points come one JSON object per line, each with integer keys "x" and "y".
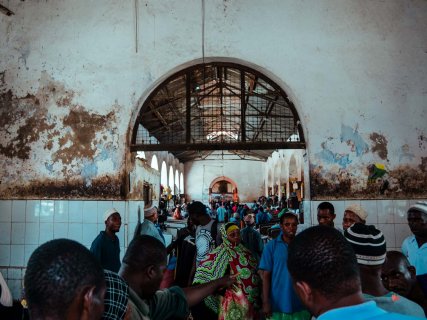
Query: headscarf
{"x": 234, "y": 259}
{"x": 116, "y": 296}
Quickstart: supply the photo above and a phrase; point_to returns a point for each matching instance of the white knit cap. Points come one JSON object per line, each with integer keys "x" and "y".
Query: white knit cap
{"x": 357, "y": 210}
{"x": 109, "y": 212}
{"x": 419, "y": 206}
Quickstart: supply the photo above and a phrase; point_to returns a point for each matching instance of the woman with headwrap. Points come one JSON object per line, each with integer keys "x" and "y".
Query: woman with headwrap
{"x": 232, "y": 258}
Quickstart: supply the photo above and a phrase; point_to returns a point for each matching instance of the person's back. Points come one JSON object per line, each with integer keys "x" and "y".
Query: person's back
{"x": 393, "y": 302}
{"x": 220, "y": 213}
{"x": 251, "y": 238}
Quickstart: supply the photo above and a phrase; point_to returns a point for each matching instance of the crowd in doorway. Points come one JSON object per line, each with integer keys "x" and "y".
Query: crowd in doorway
{"x": 221, "y": 266}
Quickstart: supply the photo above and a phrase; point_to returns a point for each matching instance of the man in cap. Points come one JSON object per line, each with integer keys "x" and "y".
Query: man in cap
{"x": 370, "y": 248}
{"x": 354, "y": 213}
{"x": 149, "y": 227}
{"x": 251, "y": 238}
{"x": 326, "y": 277}
{"x": 399, "y": 276}
{"x": 415, "y": 247}
{"x": 106, "y": 246}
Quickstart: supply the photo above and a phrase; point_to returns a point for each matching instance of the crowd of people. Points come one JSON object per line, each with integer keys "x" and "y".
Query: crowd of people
{"x": 225, "y": 269}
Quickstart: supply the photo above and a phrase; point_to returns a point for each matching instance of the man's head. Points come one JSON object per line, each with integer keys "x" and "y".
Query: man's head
{"x": 417, "y": 219}
{"x": 397, "y": 274}
{"x": 64, "y": 281}
{"x": 368, "y": 244}
{"x": 249, "y": 219}
{"x": 326, "y": 214}
{"x": 289, "y": 225}
{"x": 112, "y": 220}
{"x": 151, "y": 214}
{"x": 197, "y": 212}
{"x": 322, "y": 264}
{"x": 143, "y": 265}
{"x": 353, "y": 214}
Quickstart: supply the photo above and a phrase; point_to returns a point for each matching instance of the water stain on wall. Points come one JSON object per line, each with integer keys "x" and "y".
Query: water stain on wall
{"x": 32, "y": 122}
{"x": 379, "y": 145}
{"x": 74, "y": 139}
{"x": 107, "y": 187}
{"x": 81, "y": 138}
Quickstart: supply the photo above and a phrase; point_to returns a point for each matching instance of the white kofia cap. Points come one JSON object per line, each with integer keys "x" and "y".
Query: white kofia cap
{"x": 357, "y": 210}
{"x": 109, "y": 212}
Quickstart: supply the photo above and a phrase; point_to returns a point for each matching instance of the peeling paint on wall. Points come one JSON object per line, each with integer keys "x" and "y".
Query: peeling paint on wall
{"x": 339, "y": 173}
{"x": 106, "y": 187}
{"x": 327, "y": 156}
{"x": 54, "y": 147}
{"x": 354, "y": 140}
{"x": 379, "y": 145}
{"x": 403, "y": 182}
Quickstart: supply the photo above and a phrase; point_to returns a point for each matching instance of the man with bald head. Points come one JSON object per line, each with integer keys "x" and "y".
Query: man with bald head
{"x": 399, "y": 276}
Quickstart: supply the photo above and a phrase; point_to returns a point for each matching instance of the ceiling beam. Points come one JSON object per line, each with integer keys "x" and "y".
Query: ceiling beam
{"x": 218, "y": 146}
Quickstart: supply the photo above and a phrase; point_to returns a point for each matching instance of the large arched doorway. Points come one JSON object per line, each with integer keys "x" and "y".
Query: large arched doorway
{"x": 223, "y": 189}
{"x": 218, "y": 111}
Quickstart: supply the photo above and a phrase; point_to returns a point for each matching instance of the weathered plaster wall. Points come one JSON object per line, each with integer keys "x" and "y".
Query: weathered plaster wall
{"x": 142, "y": 173}
{"x": 355, "y": 71}
{"x": 248, "y": 176}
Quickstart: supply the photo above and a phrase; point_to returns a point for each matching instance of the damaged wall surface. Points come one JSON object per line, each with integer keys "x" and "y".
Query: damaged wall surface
{"x": 73, "y": 77}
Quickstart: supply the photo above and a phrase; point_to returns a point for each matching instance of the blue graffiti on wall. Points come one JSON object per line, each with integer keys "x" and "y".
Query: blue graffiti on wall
{"x": 351, "y": 135}
{"x": 329, "y": 157}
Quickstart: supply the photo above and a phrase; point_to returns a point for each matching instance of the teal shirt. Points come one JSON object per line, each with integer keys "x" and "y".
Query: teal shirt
{"x": 107, "y": 251}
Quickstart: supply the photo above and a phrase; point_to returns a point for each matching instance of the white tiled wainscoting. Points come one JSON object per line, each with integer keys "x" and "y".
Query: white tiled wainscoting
{"x": 25, "y": 224}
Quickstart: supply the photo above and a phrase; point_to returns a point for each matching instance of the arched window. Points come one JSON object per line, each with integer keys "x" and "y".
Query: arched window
{"x": 181, "y": 183}
{"x": 164, "y": 175}
{"x": 140, "y": 154}
{"x": 171, "y": 179}
{"x": 176, "y": 182}
{"x": 154, "y": 163}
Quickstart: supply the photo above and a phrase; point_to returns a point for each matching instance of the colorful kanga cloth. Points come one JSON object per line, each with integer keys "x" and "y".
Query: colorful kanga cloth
{"x": 235, "y": 260}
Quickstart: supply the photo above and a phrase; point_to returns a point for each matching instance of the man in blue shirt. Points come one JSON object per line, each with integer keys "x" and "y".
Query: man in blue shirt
{"x": 149, "y": 226}
{"x": 279, "y": 297}
{"x": 326, "y": 277}
{"x": 106, "y": 246}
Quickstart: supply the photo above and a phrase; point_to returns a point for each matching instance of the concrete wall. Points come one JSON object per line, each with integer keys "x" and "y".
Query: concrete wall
{"x": 74, "y": 73}
{"x": 248, "y": 176}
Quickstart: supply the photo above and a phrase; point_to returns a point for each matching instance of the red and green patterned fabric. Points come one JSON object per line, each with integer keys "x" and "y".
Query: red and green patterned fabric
{"x": 231, "y": 259}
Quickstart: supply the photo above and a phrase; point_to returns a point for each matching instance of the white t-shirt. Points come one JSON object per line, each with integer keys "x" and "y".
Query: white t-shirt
{"x": 204, "y": 241}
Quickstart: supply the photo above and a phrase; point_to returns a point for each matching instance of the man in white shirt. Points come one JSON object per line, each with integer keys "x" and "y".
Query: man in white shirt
{"x": 415, "y": 247}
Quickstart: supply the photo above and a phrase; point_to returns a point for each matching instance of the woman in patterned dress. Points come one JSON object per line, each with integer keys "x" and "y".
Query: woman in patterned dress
{"x": 231, "y": 257}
